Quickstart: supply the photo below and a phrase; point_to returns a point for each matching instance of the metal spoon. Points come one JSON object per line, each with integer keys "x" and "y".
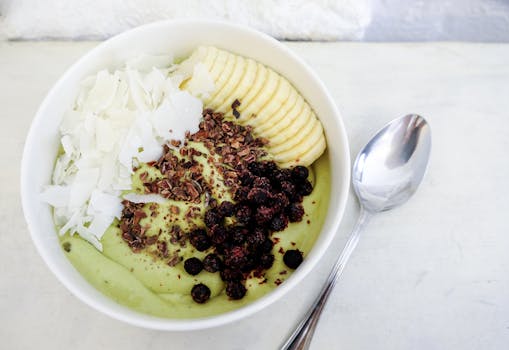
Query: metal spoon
{"x": 386, "y": 173}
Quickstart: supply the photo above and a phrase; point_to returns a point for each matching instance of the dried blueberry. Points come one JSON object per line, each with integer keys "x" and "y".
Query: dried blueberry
{"x": 282, "y": 175}
{"x": 279, "y": 201}
{"x": 235, "y": 290}
{"x": 193, "y": 266}
{"x": 218, "y": 234}
{"x": 199, "y": 239}
{"x": 263, "y": 215}
{"x": 212, "y": 263}
{"x": 268, "y": 168}
{"x": 266, "y": 261}
{"x": 279, "y": 222}
{"x": 241, "y": 194}
{"x": 212, "y": 218}
{"x": 256, "y": 238}
{"x": 238, "y": 234}
{"x": 246, "y": 178}
{"x": 258, "y": 195}
{"x": 292, "y": 258}
{"x": 295, "y": 212}
{"x": 300, "y": 173}
{"x": 262, "y": 182}
{"x": 255, "y": 168}
{"x": 288, "y": 189}
{"x": 231, "y": 275}
{"x": 243, "y": 214}
{"x": 200, "y": 293}
{"x": 305, "y": 188}
{"x": 235, "y": 257}
{"x": 267, "y": 245}
{"x": 226, "y": 209}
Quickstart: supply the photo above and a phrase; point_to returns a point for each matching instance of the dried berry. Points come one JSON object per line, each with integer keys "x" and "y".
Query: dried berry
{"x": 199, "y": 239}
{"x": 279, "y": 222}
{"x": 300, "y": 173}
{"x": 288, "y": 189}
{"x": 255, "y": 168}
{"x": 295, "y": 212}
{"x": 226, "y": 209}
{"x": 235, "y": 290}
{"x": 238, "y": 234}
{"x": 305, "y": 188}
{"x": 212, "y": 263}
{"x": 258, "y": 195}
{"x": 256, "y": 238}
{"x": 282, "y": 175}
{"x": 241, "y": 194}
{"x": 267, "y": 246}
{"x": 235, "y": 257}
{"x": 218, "y": 234}
{"x": 193, "y": 266}
{"x": 263, "y": 215}
{"x": 250, "y": 264}
{"x": 262, "y": 182}
{"x": 200, "y": 293}
{"x": 266, "y": 261}
{"x": 279, "y": 201}
{"x": 292, "y": 258}
{"x": 243, "y": 214}
{"x": 246, "y": 178}
{"x": 212, "y": 218}
{"x": 231, "y": 275}
{"x": 268, "y": 168}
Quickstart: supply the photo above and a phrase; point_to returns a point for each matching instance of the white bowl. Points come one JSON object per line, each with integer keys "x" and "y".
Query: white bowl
{"x": 180, "y": 38}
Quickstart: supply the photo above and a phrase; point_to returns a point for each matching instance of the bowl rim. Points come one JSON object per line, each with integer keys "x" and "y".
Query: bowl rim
{"x": 140, "y": 319}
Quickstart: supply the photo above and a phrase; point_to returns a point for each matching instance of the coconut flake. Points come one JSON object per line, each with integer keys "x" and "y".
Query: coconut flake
{"x": 57, "y": 196}
{"x": 82, "y": 187}
{"x": 120, "y": 119}
{"x": 201, "y": 84}
{"x": 102, "y": 93}
{"x": 105, "y": 204}
{"x": 144, "y": 198}
{"x": 168, "y": 121}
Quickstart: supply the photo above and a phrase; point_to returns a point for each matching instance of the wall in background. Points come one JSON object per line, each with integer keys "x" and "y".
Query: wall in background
{"x": 423, "y": 20}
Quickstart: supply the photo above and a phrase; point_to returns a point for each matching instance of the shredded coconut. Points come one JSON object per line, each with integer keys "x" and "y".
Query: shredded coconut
{"x": 118, "y": 118}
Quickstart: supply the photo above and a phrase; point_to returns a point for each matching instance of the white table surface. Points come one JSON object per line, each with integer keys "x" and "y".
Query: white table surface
{"x": 433, "y": 274}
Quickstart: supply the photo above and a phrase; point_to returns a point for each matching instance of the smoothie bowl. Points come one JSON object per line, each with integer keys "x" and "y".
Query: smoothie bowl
{"x": 185, "y": 174}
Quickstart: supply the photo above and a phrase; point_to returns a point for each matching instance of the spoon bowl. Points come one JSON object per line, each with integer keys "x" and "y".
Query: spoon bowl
{"x": 388, "y": 170}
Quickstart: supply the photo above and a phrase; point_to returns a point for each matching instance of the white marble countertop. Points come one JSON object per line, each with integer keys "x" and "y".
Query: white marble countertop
{"x": 433, "y": 274}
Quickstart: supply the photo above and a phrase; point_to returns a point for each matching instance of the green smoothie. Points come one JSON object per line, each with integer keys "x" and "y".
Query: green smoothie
{"x": 145, "y": 283}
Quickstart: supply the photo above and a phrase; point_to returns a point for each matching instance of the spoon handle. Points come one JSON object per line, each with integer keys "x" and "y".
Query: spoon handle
{"x": 302, "y": 335}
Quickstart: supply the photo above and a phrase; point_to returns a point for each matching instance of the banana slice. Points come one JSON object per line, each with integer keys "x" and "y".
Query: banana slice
{"x": 210, "y": 56}
{"x": 259, "y": 82}
{"x": 302, "y": 148}
{"x": 273, "y": 105}
{"x": 250, "y": 110}
{"x": 232, "y": 82}
{"x": 274, "y": 129}
{"x": 293, "y": 103}
{"x": 300, "y": 126}
{"x": 307, "y": 133}
{"x": 309, "y": 157}
{"x": 221, "y": 78}
{"x": 241, "y": 90}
